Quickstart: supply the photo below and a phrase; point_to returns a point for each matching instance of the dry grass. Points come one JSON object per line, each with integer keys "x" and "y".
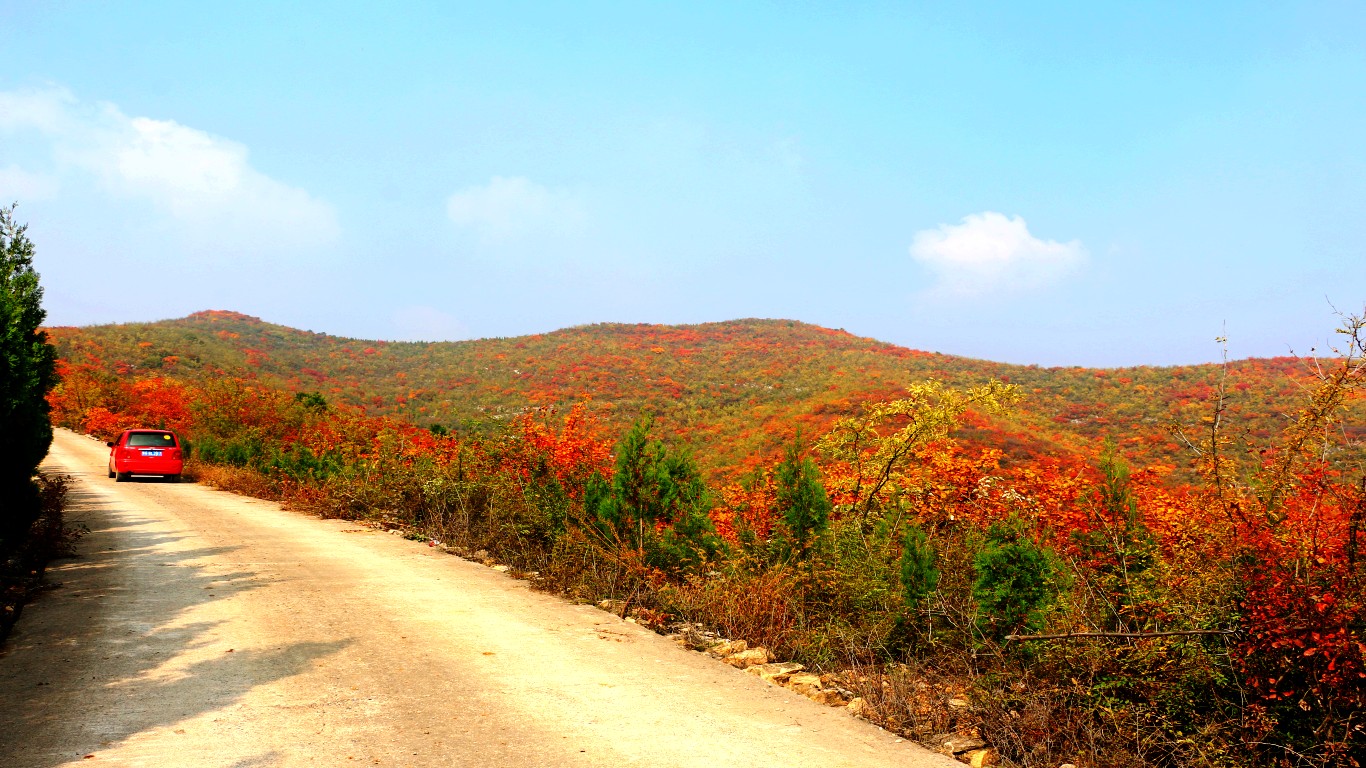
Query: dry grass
{"x": 248, "y": 482}
{"x": 760, "y": 608}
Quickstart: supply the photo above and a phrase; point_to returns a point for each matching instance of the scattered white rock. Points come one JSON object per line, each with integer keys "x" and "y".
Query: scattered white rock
{"x": 725, "y": 648}
{"x": 804, "y": 683}
{"x": 826, "y": 697}
{"x": 981, "y": 758}
{"x": 748, "y": 658}
{"x": 775, "y": 672}
{"x": 612, "y": 606}
{"x": 954, "y": 743}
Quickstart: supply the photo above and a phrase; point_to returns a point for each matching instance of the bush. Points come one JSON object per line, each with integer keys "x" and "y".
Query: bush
{"x": 919, "y": 576}
{"x": 801, "y": 499}
{"x": 27, "y": 374}
{"x": 1015, "y": 580}
{"x": 655, "y": 504}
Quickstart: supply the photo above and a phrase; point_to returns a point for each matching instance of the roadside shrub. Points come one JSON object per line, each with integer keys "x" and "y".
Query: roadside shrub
{"x": 919, "y": 576}
{"x": 27, "y": 373}
{"x": 763, "y": 607}
{"x": 1015, "y": 580}
{"x": 655, "y": 504}
{"x": 801, "y": 500}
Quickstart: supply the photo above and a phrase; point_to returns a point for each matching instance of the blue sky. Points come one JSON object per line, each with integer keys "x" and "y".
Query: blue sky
{"x": 1037, "y": 183}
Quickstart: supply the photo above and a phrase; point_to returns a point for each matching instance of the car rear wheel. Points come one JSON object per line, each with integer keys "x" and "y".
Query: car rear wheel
{"x": 173, "y": 478}
{"x": 122, "y": 477}
{"x": 111, "y": 473}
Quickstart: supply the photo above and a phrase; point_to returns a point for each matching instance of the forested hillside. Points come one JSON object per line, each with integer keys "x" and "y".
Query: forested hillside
{"x": 731, "y": 390}
{"x": 944, "y": 530}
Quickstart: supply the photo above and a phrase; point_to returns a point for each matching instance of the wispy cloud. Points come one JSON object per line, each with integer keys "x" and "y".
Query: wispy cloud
{"x": 510, "y": 207}
{"x": 45, "y": 109}
{"x": 990, "y": 252}
{"x": 19, "y": 184}
{"x": 205, "y": 182}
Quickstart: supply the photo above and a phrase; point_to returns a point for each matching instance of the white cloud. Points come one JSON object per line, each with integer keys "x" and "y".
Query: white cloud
{"x": 422, "y": 323}
{"x": 17, "y": 184}
{"x": 45, "y": 110}
{"x": 991, "y": 252}
{"x": 511, "y": 207}
{"x": 204, "y": 182}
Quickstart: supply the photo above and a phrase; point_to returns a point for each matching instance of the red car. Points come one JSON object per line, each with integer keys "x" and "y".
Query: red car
{"x": 146, "y": 452}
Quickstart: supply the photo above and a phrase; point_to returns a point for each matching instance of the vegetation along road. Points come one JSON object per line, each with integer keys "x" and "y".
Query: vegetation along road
{"x": 201, "y": 628}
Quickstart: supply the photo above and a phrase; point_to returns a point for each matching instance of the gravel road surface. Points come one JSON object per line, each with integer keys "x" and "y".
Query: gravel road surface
{"x": 200, "y": 628}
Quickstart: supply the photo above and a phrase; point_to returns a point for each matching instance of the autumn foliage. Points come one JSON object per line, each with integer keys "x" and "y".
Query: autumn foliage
{"x": 1004, "y": 526}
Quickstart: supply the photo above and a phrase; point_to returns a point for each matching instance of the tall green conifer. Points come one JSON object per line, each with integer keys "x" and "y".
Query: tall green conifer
{"x": 27, "y": 373}
{"x": 802, "y": 500}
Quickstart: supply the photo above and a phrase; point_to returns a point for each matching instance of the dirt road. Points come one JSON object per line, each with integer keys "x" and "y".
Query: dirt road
{"x": 199, "y": 628}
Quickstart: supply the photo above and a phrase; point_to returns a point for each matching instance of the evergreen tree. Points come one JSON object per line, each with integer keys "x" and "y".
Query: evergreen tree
{"x": 27, "y": 373}
{"x": 1015, "y": 580}
{"x": 656, "y": 502}
{"x": 802, "y": 500}
{"x": 919, "y": 574}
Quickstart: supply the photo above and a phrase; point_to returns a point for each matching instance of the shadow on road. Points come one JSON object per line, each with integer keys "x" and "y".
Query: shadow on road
{"x": 124, "y": 642}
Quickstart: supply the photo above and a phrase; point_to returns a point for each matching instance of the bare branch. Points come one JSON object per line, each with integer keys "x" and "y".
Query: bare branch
{"x": 1122, "y": 635}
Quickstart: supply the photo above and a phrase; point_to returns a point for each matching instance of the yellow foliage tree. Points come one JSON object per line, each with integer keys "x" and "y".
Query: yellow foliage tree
{"x": 877, "y": 447}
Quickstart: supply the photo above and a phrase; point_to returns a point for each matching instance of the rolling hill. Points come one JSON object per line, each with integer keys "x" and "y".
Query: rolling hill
{"x": 732, "y": 390}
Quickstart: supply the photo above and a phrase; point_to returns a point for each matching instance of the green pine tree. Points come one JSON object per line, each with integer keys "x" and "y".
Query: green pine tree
{"x": 656, "y": 502}
{"x": 27, "y": 374}
{"x": 802, "y": 500}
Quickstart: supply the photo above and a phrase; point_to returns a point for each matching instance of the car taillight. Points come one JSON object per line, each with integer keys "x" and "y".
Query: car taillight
{"x": 175, "y": 453}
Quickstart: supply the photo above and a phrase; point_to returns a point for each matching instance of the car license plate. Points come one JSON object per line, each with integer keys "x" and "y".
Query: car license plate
{"x": 151, "y": 453}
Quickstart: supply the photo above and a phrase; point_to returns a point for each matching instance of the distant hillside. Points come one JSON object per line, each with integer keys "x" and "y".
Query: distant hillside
{"x": 731, "y": 389}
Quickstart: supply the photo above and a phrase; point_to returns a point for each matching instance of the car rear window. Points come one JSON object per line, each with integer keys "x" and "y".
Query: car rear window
{"x": 145, "y": 439}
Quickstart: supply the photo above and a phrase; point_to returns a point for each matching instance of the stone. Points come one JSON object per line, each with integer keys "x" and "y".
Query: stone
{"x": 776, "y": 673}
{"x": 748, "y": 658}
{"x": 480, "y": 555}
{"x": 953, "y": 743}
{"x": 856, "y": 706}
{"x": 803, "y": 683}
{"x": 500, "y": 568}
{"x": 723, "y": 649}
{"x": 981, "y": 758}
{"x": 957, "y": 703}
{"x": 612, "y": 606}
{"x": 828, "y": 698}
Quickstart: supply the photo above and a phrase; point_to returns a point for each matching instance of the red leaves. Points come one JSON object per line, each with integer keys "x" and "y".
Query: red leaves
{"x": 1302, "y": 616}
{"x": 571, "y": 451}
